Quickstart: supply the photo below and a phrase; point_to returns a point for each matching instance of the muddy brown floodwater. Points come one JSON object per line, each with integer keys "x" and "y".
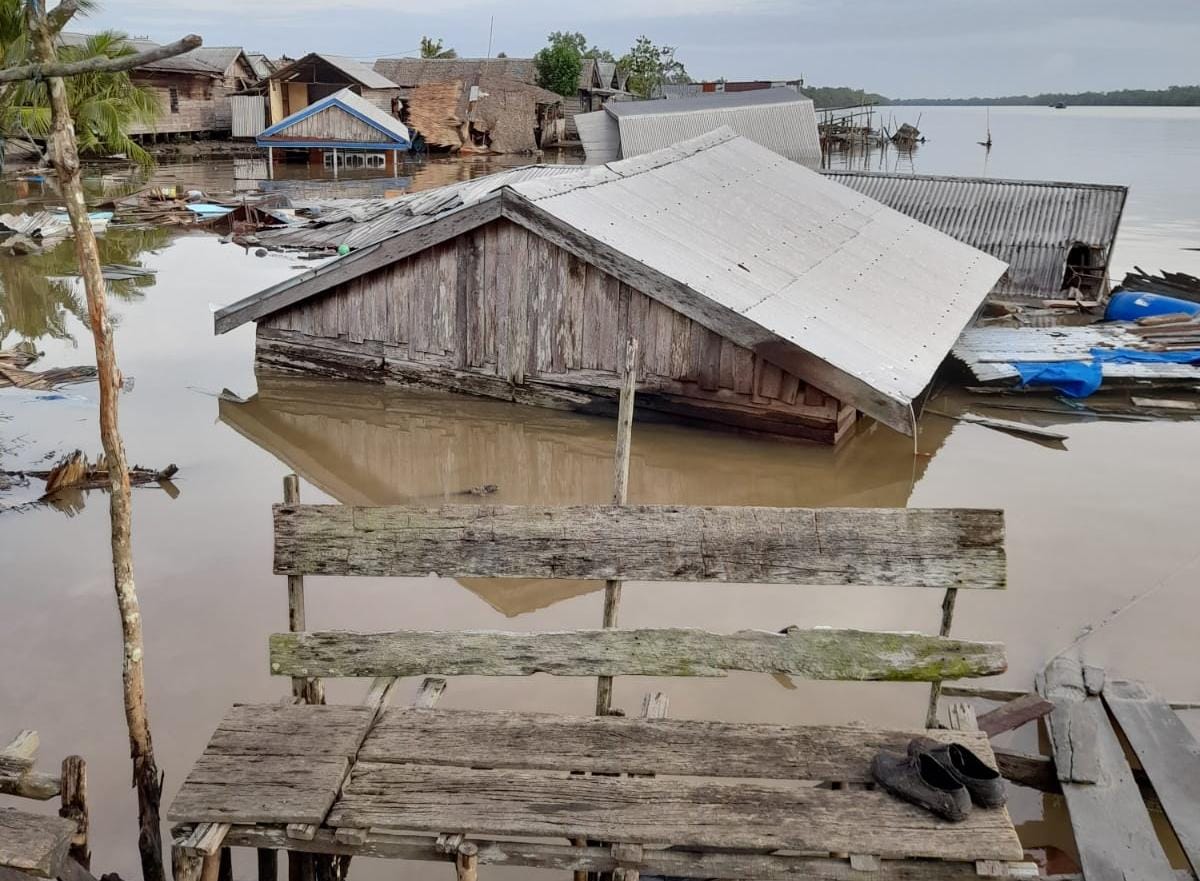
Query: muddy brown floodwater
{"x": 1110, "y": 519}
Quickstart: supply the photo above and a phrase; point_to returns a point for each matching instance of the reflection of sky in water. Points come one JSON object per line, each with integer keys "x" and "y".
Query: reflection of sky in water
{"x": 1087, "y": 528}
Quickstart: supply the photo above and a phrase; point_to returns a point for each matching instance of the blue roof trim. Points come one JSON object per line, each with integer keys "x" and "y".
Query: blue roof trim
{"x": 325, "y": 104}
{"x": 376, "y": 146}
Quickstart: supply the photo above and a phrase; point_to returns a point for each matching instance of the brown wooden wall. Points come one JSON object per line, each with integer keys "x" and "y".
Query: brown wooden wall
{"x": 500, "y": 303}
{"x": 333, "y": 124}
{"x": 203, "y": 103}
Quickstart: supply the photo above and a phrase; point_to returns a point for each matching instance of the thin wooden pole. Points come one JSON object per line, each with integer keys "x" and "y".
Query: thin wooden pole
{"x": 74, "y": 807}
{"x": 612, "y": 588}
{"x": 65, "y": 153}
{"x": 935, "y": 690}
{"x": 309, "y": 691}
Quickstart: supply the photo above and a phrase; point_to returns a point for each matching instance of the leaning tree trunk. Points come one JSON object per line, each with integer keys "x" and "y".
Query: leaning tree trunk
{"x": 65, "y": 158}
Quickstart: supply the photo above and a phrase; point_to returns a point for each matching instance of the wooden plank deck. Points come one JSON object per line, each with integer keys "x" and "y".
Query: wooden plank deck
{"x": 1168, "y": 752}
{"x": 1112, "y": 827}
{"x": 34, "y": 843}
{"x": 272, "y": 763}
{"x": 410, "y": 777}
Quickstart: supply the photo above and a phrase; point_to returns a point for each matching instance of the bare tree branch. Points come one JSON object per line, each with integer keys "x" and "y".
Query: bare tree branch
{"x": 100, "y": 64}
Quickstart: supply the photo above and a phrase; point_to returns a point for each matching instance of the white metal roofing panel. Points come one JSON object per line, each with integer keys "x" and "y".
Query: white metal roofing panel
{"x": 779, "y": 119}
{"x": 870, "y": 291}
{"x": 356, "y": 70}
{"x": 600, "y": 136}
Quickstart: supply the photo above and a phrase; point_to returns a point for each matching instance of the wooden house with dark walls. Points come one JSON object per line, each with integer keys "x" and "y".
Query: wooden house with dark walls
{"x": 763, "y": 296}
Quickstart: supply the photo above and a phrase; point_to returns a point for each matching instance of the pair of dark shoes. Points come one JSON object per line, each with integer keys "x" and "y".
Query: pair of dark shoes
{"x": 941, "y": 777}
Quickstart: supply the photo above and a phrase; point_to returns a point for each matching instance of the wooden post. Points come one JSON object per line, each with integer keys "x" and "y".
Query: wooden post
{"x": 309, "y": 691}
{"x": 268, "y": 864}
{"x": 466, "y": 862}
{"x": 74, "y": 807}
{"x": 935, "y": 690}
{"x": 612, "y": 588}
{"x": 270, "y": 163}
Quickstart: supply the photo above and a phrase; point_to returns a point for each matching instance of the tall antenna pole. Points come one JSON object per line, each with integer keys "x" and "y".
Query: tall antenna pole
{"x": 491, "y": 30}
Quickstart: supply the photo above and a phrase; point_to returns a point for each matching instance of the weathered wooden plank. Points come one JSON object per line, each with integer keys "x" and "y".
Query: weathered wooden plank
{"x": 1168, "y": 752}
{"x": 674, "y": 863}
{"x": 1112, "y": 826}
{"x": 928, "y": 548}
{"x": 1014, "y": 714}
{"x": 273, "y": 762}
{"x": 359, "y": 263}
{"x": 37, "y": 785}
{"x": 33, "y": 843}
{"x": 814, "y": 654}
{"x": 325, "y": 731}
{"x": 20, "y": 753}
{"x": 654, "y": 810}
{"x": 612, "y": 745}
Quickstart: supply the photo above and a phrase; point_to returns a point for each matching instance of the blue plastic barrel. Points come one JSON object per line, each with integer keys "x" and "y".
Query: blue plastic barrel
{"x": 1132, "y": 305}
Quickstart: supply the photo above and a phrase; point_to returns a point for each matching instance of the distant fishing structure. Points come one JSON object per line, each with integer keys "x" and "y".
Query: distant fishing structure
{"x": 988, "y": 142}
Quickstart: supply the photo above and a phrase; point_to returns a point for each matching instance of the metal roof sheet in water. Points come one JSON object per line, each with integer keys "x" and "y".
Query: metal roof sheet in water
{"x": 360, "y": 223}
{"x": 866, "y": 289}
{"x": 782, "y": 120}
{"x": 991, "y": 353}
{"x": 600, "y": 135}
{"x": 1030, "y": 225}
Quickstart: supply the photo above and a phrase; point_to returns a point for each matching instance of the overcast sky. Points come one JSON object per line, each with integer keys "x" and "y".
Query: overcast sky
{"x": 925, "y": 48}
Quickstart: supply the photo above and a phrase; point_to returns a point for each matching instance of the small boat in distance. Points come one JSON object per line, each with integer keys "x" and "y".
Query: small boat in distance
{"x": 1059, "y": 106}
{"x": 988, "y": 142}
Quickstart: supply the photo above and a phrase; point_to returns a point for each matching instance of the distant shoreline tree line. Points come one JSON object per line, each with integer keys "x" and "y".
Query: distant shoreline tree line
{"x": 1173, "y": 96}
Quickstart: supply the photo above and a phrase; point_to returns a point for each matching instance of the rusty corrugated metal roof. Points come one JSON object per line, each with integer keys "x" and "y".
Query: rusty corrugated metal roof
{"x": 1030, "y": 225}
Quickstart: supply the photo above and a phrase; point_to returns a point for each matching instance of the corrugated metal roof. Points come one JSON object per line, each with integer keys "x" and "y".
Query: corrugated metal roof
{"x": 194, "y": 61}
{"x": 600, "y": 135}
{"x": 991, "y": 352}
{"x": 781, "y": 120}
{"x": 1031, "y": 225}
{"x": 359, "y": 223}
{"x": 357, "y": 105}
{"x": 864, "y": 288}
{"x": 353, "y": 70}
{"x": 260, "y": 64}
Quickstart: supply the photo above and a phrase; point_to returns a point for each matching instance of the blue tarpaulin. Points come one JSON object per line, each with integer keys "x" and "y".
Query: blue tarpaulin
{"x": 1078, "y": 379}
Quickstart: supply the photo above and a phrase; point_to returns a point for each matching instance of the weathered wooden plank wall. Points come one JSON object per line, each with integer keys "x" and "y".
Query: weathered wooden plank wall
{"x": 202, "y": 101}
{"x": 502, "y": 303}
{"x": 333, "y": 123}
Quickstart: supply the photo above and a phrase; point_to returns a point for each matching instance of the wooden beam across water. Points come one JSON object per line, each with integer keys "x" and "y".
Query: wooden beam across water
{"x": 941, "y": 548}
{"x": 822, "y": 653}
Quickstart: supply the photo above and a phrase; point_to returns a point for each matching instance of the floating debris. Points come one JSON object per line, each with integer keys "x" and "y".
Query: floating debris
{"x": 13, "y": 373}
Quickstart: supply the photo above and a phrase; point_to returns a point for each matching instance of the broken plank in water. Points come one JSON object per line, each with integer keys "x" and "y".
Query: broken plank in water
{"x": 1168, "y": 752}
{"x": 1014, "y": 714}
{"x": 1166, "y": 404}
{"x": 1112, "y": 826}
{"x": 1006, "y": 425}
{"x": 822, "y": 653}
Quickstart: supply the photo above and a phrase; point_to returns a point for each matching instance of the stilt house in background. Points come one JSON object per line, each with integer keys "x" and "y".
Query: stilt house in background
{"x": 317, "y": 75}
{"x": 193, "y": 89}
{"x": 782, "y": 120}
{"x": 476, "y": 105}
{"x": 1056, "y": 237}
{"x": 342, "y": 130}
{"x": 763, "y": 295}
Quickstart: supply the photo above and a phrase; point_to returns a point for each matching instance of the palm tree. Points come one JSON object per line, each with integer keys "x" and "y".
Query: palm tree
{"x": 104, "y": 105}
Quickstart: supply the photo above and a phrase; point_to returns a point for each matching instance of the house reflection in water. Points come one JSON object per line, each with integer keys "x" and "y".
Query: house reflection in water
{"x": 367, "y": 444}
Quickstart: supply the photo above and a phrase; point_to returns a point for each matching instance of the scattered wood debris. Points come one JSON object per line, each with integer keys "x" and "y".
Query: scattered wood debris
{"x": 74, "y": 471}
{"x": 1166, "y": 404}
{"x": 1171, "y": 284}
{"x": 13, "y": 373}
{"x": 1022, "y": 429}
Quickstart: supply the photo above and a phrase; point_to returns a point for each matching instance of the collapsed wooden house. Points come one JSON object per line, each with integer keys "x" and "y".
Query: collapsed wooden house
{"x": 475, "y": 105}
{"x": 782, "y": 120}
{"x": 1056, "y": 237}
{"x": 763, "y": 295}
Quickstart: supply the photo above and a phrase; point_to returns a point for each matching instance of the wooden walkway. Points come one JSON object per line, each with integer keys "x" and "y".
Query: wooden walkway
{"x": 1113, "y": 830}
{"x": 366, "y": 778}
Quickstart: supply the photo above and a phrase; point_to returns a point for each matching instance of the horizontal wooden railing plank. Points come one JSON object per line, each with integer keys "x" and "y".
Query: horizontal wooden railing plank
{"x": 568, "y": 858}
{"x": 611, "y": 744}
{"x": 661, "y": 810}
{"x": 813, "y": 654}
{"x": 886, "y": 546}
